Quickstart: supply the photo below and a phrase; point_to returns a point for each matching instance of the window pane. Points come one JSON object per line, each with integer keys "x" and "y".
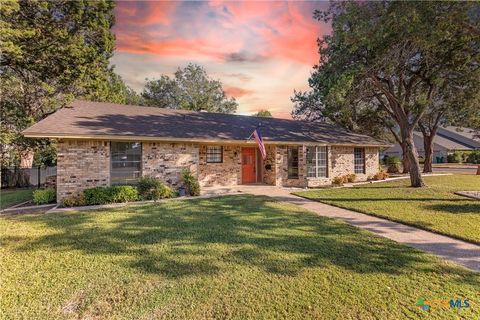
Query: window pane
{"x": 292, "y": 162}
{"x": 359, "y": 160}
{"x": 125, "y": 162}
{"x": 214, "y": 154}
{"x": 311, "y": 164}
{"x": 322, "y": 162}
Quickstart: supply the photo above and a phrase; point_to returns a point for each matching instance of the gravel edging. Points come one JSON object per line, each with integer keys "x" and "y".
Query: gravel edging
{"x": 469, "y": 194}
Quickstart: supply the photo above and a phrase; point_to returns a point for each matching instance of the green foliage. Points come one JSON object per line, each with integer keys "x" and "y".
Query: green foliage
{"x": 74, "y": 200}
{"x": 191, "y": 183}
{"x": 455, "y": 157}
{"x": 151, "y": 188}
{"x": 112, "y": 194}
{"x": 474, "y": 157}
{"x": 52, "y": 52}
{"x": 264, "y": 113}
{"x": 191, "y": 89}
{"x": 393, "y": 164}
{"x": 46, "y": 156}
{"x": 44, "y": 196}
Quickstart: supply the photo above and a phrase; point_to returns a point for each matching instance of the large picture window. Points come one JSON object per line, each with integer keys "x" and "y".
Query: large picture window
{"x": 214, "y": 154}
{"x": 359, "y": 160}
{"x": 126, "y": 162}
{"x": 292, "y": 162}
{"x": 317, "y": 162}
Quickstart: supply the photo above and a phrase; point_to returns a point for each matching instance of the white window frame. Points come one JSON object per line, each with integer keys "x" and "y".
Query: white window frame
{"x": 357, "y": 163}
{"x": 207, "y": 154}
{"x": 316, "y": 159}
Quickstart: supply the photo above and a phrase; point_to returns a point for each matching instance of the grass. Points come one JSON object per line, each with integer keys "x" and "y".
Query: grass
{"x": 228, "y": 257}
{"x": 13, "y": 197}
{"x": 435, "y": 208}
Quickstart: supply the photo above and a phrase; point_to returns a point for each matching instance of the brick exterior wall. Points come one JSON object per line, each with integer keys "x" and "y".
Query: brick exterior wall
{"x": 227, "y": 173}
{"x": 86, "y": 164}
{"x": 81, "y": 165}
{"x": 167, "y": 160}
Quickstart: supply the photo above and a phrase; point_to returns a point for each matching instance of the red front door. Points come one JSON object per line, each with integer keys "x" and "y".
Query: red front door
{"x": 248, "y": 165}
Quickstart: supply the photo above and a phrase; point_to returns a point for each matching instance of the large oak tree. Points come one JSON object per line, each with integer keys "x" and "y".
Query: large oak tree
{"x": 390, "y": 60}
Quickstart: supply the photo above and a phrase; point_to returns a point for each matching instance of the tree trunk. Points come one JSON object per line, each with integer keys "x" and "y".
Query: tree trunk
{"x": 405, "y": 160}
{"x": 478, "y": 170}
{"x": 416, "y": 179}
{"x": 428, "y": 147}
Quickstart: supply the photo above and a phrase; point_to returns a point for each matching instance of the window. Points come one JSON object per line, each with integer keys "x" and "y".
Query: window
{"x": 317, "y": 162}
{"x": 126, "y": 162}
{"x": 214, "y": 154}
{"x": 359, "y": 160}
{"x": 292, "y": 162}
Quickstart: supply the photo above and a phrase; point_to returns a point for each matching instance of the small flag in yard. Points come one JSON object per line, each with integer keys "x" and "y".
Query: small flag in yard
{"x": 258, "y": 137}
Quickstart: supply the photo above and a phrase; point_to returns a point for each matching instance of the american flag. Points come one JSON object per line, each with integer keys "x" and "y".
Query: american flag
{"x": 258, "y": 137}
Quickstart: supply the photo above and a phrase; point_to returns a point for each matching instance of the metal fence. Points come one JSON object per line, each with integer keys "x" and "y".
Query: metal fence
{"x": 16, "y": 177}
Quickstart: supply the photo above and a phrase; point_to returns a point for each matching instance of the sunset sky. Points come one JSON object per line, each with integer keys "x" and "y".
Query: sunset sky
{"x": 260, "y": 51}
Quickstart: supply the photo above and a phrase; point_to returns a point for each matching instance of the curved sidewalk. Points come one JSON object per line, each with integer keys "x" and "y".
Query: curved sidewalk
{"x": 460, "y": 252}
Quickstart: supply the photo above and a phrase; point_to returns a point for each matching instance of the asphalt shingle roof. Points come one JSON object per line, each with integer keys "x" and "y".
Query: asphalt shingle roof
{"x": 97, "y": 119}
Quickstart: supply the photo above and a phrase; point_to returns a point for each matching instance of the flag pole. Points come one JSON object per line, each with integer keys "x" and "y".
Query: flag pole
{"x": 251, "y": 134}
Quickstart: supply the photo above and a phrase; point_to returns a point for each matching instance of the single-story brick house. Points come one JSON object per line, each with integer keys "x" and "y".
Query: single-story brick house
{"x": 101, "y": 144}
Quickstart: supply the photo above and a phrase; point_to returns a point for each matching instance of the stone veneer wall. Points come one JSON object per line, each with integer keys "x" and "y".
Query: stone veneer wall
{"x": 227, "y": 173}
{"x": 167, "y": 160}
{"x": 269, "y": 175}
{"x": 81, "y": 164}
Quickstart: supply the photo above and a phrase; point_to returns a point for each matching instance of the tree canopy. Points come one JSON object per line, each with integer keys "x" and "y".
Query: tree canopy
{"x": 52, "y": 52}
{"x": 386, "y": 64}
{"x": 191, "y": 89}
{"x": 264, "y": 113}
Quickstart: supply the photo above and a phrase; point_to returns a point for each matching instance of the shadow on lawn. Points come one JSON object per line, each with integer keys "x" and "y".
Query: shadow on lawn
{"x": 208, "y": 236}
{"x": 472, "y": 207}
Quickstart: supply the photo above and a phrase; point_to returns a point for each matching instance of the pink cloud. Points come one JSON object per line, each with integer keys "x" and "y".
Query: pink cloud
{"x": 237, "y": 92}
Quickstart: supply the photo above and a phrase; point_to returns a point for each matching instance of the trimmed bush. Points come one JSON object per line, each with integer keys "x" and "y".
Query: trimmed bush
{"x": 474, "y": 157}
{"x": 44, "y": 196}
{"x": 151, "y": 188}
{"x": 380, "y": 175}
{"x": 455, "y": 157}
{"x": 113, "y": 194}
{"x": 351, "y": 177}
{"x": 74, "y": 201}
{"x": 191, "y": 183}
{"x": 339, "y": 181}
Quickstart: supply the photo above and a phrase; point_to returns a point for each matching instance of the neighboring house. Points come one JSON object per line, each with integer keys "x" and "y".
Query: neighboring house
{"x": 101, "y": 144}
{"x": 447, "y": 140}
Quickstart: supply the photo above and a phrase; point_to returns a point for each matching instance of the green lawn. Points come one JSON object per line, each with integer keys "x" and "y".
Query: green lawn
{"x": 12, "y": 197}
{"x": 435, "y": 208}
{"x": 228, "y": 257}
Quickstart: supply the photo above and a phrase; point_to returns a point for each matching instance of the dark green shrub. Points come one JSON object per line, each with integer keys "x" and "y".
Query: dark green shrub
{"x": 455, "y": 157}
{"x": 74, "y": 201}
{"x": 393, "y": 164}
{"x": 44, "y": 196}
{"x": 151, "y": 188}
{"x": 113, "y": 194}
{"x": 191, "y": 183}
{"x": 474, "y": 157}
{"x": 96, "y": 195}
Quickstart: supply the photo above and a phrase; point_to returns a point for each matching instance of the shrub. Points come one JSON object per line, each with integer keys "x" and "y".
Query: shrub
{"x": 113, "y": 194}
{"x": 381, "y": 175}
{"x": 74, "y": 200}
{"x": 191, "y": 183}
{"x": 474, "y": 157}
{"x": 393, "y": 164}
{"x": 122, "y": 194}
{"x": 351, "y": 177}
{"x": 455, "y": 157}
{"x": 96, "y": 195}
{"x": 339, "y": 181}
{"x": 44, "y": 196}
{"x": 151, "y": 188}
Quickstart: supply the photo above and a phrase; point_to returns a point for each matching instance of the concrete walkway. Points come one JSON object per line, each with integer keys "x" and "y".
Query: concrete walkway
{"x": 461, "y": 252}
